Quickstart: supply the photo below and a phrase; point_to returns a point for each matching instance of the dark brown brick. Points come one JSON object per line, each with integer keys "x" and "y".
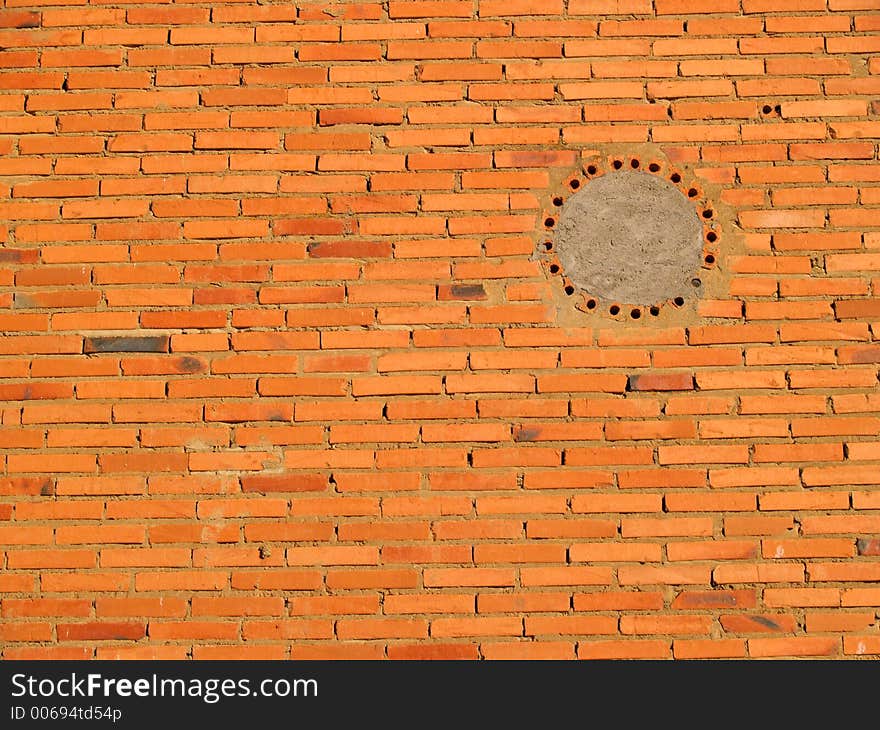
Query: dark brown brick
{"x": 661, "y": 381}
{"x": 266, "y": 483}
{"x": 869, "y": 546}
{"x": 447, "y": 292}
{"x": 158, "y": 343}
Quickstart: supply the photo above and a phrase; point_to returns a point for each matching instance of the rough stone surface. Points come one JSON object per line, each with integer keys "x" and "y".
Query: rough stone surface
{"x": 630, "y": 237}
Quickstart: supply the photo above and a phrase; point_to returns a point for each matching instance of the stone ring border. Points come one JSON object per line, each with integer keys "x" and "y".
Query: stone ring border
{"x": 690, "y": 189}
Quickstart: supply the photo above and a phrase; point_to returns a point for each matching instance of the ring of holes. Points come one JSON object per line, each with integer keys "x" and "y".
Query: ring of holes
{"x": 711, "y": 233}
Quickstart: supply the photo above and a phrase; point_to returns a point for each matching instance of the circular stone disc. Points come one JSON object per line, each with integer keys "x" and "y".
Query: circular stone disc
{"x": 630, "y": 237}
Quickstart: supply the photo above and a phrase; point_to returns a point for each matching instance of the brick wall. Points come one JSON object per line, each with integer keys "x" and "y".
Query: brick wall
{"x": 282, "y": 375}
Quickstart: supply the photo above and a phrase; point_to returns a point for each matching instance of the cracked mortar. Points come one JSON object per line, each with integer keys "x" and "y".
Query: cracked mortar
{"x": 630, "y": 237}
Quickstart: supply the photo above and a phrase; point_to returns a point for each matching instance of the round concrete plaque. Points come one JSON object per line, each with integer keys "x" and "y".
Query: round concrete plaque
{"x": 630, "y": 237}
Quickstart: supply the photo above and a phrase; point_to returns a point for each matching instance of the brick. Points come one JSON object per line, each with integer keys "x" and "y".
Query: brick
{"x": 689, "y": 599}
{"x": 657, "y": 382}
{"x": 628, "y": 649}
{"x": 125, "y": 344}
{"x": 794, "y": 646}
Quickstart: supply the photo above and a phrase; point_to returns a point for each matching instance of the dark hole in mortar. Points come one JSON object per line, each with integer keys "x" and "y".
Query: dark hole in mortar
{"x": 678, "y": 301}
{"x": 591, "y": 303}
{"x": 675, "y": 177}
{"x": 557, "y": 201}
{"x": 654, "y": 167}
{"x": 592, "y": 170}
{"x": 766, "y": 108}
{"x": 574, "y": 184}
{"x": 634, "y": 164}
{"x": 617, "y": 164}
{"x": 569, "y": 290}
{"x": 636, "y": 313}
{"x": 711, "y": 236}
{"x": 710, "y": 259}
{"x": 707, "y": 214}
{"x": 696, "y": 282}
{"x": 692, "y": 193}
{"x": 655, "y": 311}
{"x": 554, "y": 269}
{"x": 549, "y": 222}
{"x": 614, "y": 309}
{"x": 548, "y": 245}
